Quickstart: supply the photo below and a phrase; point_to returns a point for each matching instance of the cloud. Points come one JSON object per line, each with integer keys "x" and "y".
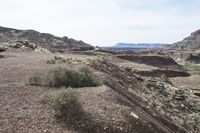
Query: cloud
{"x": 105, "y": 22}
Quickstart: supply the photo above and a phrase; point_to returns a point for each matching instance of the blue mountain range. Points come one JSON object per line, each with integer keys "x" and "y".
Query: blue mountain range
{"x": 139, "y": 45}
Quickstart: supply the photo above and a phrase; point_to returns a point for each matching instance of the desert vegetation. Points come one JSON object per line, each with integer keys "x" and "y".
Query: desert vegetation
{"x": 51, "y": 61}
{"x": 192, "y": 67}
{"x": 59, "y": 59}
{"x": 70, "y": 60}
{"x": 65, "y": 102}
{"x": 81, "y": 77}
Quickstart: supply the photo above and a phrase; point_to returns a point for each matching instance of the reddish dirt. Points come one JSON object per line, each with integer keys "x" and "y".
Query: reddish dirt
{"x": 22, "y": 112}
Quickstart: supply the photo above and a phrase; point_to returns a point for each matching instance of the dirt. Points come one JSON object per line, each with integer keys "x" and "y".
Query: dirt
{"x": 165, "y": 102}
{"x": 192, "y": 82}
{"x": 22, "y": 110}
{"x": 123, "y": 104}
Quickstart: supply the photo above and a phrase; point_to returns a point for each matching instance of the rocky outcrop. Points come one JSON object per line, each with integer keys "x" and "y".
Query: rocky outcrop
{"x": 159, "y": 73}
{"x": 172, "y": 107}
{"x": 163, "y": 62}
{"x": 2, "y": 49}
{"x": 44, "y": 40}
{"x": 191, "y": 42}
{"x": 148, "y": 94}
{"x": 193, "y": 58}
{"x": 1, "y": 56}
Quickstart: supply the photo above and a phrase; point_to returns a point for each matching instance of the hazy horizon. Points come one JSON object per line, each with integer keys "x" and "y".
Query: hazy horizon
{"x": 105, "y": 22}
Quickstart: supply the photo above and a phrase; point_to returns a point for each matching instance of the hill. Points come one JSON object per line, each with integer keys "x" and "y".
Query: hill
{"x": 190, "y": 42}
{"x": 139, "y": 45}
{"x": 44, "y": 40}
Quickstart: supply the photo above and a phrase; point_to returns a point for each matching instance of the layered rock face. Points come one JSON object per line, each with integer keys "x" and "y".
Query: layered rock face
{"x": 44, "y": 40}
{"x": 191, "y": 42}
{"x": 163, "y": 62}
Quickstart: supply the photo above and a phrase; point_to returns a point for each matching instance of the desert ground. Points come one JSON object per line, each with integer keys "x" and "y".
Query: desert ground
{"x": 125, "y": 102}
{"x": 57, "y": 84}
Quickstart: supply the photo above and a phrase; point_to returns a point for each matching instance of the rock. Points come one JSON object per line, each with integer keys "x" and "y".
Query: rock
{"x": 197, "y": 94}
{"x": 179, "y": 92}
{"x": 128, "y": 69}
{"x": 2, "y": 49}
{"x": 24, "y": 107}
{"x": 134, "y": 115}
{"x": 163, "y": 62}
{"x": 190, "y": 42}
{"x": 179, "y": 97}
{"x": 46, "y": 131}
{"x": 1, "y": 56}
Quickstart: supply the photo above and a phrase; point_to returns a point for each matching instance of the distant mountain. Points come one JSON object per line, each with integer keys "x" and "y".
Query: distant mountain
{"x": 44, "y": 40}
{"x": 190, "y": 42}
{"x": 139, "y": 45}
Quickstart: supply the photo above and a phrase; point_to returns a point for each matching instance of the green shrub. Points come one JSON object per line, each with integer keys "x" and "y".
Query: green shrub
{"x": 60, "y": 59}
{"x": 85, "y": 69}
{"x": 35, "y": 80}
{"x": 63, "y": 60}
{"x": 87, "y": 77}
{"x": 192, "y": 67}
{"x": 65, "y": 102}
{"x": 56, "y": 77}
{"x": 83, "y": 77}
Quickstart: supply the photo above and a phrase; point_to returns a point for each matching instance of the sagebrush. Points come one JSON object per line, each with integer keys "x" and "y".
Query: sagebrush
{"x": 82, "y": 77}
{"x": 65, "y": 102}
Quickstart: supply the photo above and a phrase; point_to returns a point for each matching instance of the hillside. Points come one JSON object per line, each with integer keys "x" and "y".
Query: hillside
{"x": 44, "y": 40}
{"x": 190, "y": 42}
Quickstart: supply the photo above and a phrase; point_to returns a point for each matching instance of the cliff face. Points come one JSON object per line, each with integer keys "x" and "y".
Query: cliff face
{"x": 191, "y": 42}
{"x": 44, "y": 40}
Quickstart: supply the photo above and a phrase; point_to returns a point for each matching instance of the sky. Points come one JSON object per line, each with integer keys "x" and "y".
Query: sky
{"x": 105, "y": 22}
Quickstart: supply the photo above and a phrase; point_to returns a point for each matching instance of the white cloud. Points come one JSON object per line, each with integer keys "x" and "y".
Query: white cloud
{"x": 106, "y": 21}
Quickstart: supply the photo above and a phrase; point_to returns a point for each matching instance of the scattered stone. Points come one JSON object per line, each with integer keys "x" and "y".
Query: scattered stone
{"x": 173, "y": 102}
{"x": 46, "y": 131}
{"x": 134, "y": 115}
{"x": 197, "y": 94}
{"x": 180, "y": 92}
{"x": 179, "y": 97}
{"x": 128, "y": 69}
{"x": 24, "y": 107}
{"x": 1, "y": 56}
{"x": 2, "y": 49}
